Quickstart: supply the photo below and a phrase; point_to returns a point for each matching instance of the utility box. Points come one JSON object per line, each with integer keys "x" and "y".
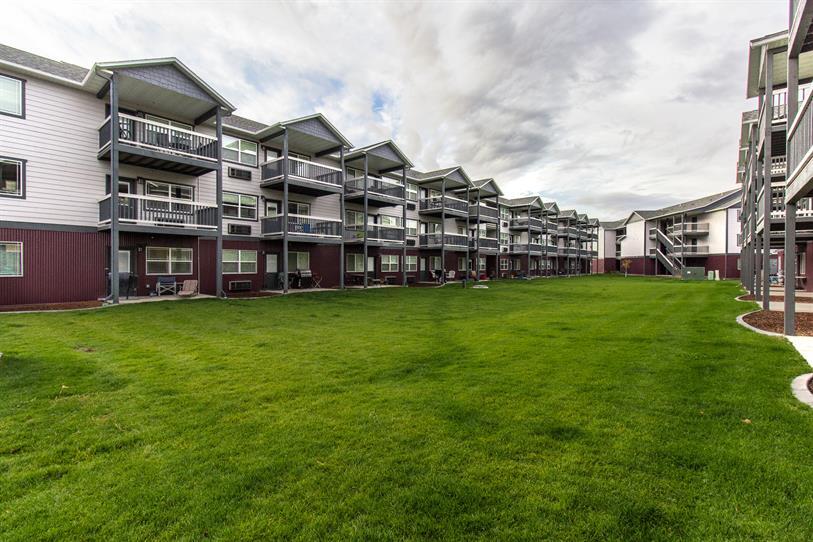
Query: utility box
{"x": 693, "y": 273}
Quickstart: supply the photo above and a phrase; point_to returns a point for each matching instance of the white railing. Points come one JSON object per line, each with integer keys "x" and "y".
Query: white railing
{"x": 158, "y": 211}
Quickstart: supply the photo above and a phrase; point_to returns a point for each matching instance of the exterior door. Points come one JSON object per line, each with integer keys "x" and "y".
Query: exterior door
{"x": 371, "y": 266}
{"x": 271, "y": 272}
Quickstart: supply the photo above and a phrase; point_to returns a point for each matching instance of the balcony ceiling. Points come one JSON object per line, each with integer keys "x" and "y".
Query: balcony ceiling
{"x": 161, "y": 101}
{"x": 780, "y": 63}
{"x": 380, "y": 156}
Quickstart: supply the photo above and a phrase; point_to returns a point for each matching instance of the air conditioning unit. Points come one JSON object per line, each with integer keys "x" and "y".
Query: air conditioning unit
{"x": 237, "y": 173}
{"x": 504, "y": 249}
{"x": 239, "y": 229}
{"x": 411, "y": 242}
{"x": 411, "y": 207}
{"x": 239, "y": 285}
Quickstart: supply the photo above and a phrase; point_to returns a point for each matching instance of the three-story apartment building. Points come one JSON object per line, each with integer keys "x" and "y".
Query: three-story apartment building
{"x": 120, "y": 176}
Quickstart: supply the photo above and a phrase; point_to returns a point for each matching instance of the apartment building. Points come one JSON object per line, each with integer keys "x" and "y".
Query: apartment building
{"x": 120, "y": 176}
{"x": 701, "y": 233}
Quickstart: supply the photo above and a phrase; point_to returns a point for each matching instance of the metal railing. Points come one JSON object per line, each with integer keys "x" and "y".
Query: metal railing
{"x": 779, "y": 165}
{"x": 155, "y": 211}
{"x": 375, "y": 232}
{"x": 485, "y": 211}
{"x": 160, "y": 137}
{"x": 524, "y": 248}
{"x": 525, "y": 221}
{"x": 437, "y": 239}
{"x": 800, "y": 136}
{"x": 691, "y": 249}
{"x": 435, "y": 203}
{"x": 303, "y": 169}
{"x": 375, "y": 185}
{"x": 693, "y": 227}
{"x": 305, "y": 225}
{"x": 487, "y": 243}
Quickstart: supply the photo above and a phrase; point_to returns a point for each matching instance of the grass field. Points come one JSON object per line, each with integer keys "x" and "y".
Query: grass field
{"x": 593, "y": 408}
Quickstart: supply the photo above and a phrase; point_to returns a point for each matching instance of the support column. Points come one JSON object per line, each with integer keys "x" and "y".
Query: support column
{"x": 443, "y": 229}
{"x": 366, "y": 220}
{"x": 499, "y": 247}
{"x": 404, "y": 220}
{"x": 219, "y": 200}
{"x": 766, "y": 184}
{"x": 342, "y": 217}
{"x": 477, "y": 240}
{"x": 529, "y": 241}
{"x": 285, "y": 269}
{"x": 758, "y": 268}
{"x": 114, "y": 188}
{"x": 468, "y": 263}
{"x": 790, "y": 268}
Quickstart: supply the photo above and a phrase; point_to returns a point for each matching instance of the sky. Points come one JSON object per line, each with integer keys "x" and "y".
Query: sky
{"x": 601, "y": 106}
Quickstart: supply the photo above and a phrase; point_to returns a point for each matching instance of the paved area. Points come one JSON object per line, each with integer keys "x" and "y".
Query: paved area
{"x": 153, "y": 298}
{"x": 800, "y": 307}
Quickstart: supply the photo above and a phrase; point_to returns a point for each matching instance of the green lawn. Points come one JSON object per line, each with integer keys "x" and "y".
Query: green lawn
{"x": 592, "y": 408}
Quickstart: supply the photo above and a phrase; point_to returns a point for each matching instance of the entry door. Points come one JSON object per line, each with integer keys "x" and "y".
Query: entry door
{"x": 371, "y": 265}
{"x": 271, "y": 269}
{"x": 124, "y": 262}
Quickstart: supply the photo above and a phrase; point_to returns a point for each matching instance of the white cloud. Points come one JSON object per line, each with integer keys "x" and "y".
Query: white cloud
{"x": 602, "y": 106}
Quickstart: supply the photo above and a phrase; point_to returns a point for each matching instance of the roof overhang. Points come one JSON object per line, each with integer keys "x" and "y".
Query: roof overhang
{"x": 382, "y": 156}
{"x": 302, "y": 136}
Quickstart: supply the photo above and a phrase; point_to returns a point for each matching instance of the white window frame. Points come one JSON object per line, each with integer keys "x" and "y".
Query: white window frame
{"x": 505, "y": 214}
{"x": 22, "y": 259}
{"x": 20, "y": 165}
{"x": 387, "y": 220}
{"x": 481, "y": 264}
{"x": 170, "y": 261}
{"x": 461, "y": 263}
{"x": 297, "y": 266}
{"x": 238, "y": 256}
{"x": 412, "y": 192}
{"x": 435, "y": 260}
{"x": 168, "y": 122}
{"x": 390, "y": 263}
{"x": 357, "y": 265}
{"x": 504, "y": 238}
{"x": 411, "y": 263}
{"x": 299, "y": 208}
{"x": 411, "y": 227}
{"x": 239, "y": 205}
{"x": 230, "y": 141}
{"x": 20, "y": 83}
{"x": 504, "y": 264}
{"x": 170, "y": 188}
{"x": 353, "y": 217}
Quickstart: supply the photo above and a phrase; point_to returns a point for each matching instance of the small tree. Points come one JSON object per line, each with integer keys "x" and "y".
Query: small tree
{"x": 626, "y": 263}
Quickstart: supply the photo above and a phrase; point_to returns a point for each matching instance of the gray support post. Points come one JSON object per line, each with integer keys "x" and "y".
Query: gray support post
{"x": 499, "y": 251}
{"x": 758, "y": 268}
{"x": 529, "y": 240}
{"x": 468, "y": 264}
{"x": 114, "y": 188}
{"x": 790, "y": 268}
{"x": 342, "y": 212}
{"x": 477, "y": 238}
{"x": 219, "y": 202}
{"x": 766, "y": 183}
{"x": 404, "y": 219}
{"x": 285, "y": 269}
{"x": 443, "y": 229}
{"x": 366, "y": 222}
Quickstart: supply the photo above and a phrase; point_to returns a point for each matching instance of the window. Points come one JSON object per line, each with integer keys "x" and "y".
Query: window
{"x": 12, "y": 177}
{"x": 481, "y": 264}
{"x": 11, "y": 259}
{"x": 385, "y": 220}
{"x": 239, "y": 150}
{"x": 411, "y": 227}
{"x": 169, "y": 261}
{"x": 168, "y": 190}
{"x": 239, "y": 261}
{"x": 168, "y": 122}
{"x": 461, "y": 263}
{"x": 272, "y": 207}
{"x": 503, "y": 238}
{"x": 461, "y": 230}
{"x": 296, "y": 208}
{"x": 239, "y": 206}
{"x": 389, "y": 262}
{"x": 272, "y": 154}
{"x": 412, "y": 192}
{"x": 430, "y": 227}
{"x": 353, "y": 218}
{"x": 298, "y": 156}
{"x": 504, "y": 264}
{"x": 411, "y": 263}
{"x": 355, "y": 263}
{"x": 299, "y": 260}
{"x": 435, "y": 263}
{"x": 504, "y": 214}
{"x": 12, "y": 96}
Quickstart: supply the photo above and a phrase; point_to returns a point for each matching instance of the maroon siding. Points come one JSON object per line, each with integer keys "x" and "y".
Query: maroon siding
{"x": 57, "y": 267}
{"x": 725, "y": 264}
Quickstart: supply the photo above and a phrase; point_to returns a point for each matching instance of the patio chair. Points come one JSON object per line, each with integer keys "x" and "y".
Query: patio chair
{"x": 316, "y": 281}
{"x": 165, "y": 285}
{"x": 450, "y": 275}
{"x": 188, "y": 289}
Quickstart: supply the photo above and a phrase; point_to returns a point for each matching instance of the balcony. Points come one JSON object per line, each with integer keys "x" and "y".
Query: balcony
{"x": 487, "y": 213}
{"x": 692, "y": 228}
{"x": 569, "y": 231}
{"x": 304, "y": 228}
{"x": 524, "y": 222}
{"x": 453, "y": 241}
{"x": 155, "y": 145}
{"x": 692, "y": 250}
{"x": 485, "y": 244}
{"x": 437, "y": 204}
{"x": 380, "y": 192}
{"x": 800, "y": 142}
{"x": 150, "y": 213}
{"x": 779, "y": 166}
{"x": 304, "y": 177}
{"x": 525, "y": 248}
{"x": 377, "y": 234}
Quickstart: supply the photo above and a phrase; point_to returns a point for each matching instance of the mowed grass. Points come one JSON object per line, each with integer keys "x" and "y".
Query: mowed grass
{"x": 596, "y": 408}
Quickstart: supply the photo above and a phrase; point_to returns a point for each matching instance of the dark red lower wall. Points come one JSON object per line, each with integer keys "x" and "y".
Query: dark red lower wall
{"x": 58, "y": 267}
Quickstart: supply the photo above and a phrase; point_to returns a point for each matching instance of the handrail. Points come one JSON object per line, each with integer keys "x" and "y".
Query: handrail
{"x": 292, "y": 159}
{"x": 799, "y": 115}
{"x": 307, "y": 216}
{"x": 375, "y": 179}
{"x": 164, "y": 126}
{"x": 439, "y": 198}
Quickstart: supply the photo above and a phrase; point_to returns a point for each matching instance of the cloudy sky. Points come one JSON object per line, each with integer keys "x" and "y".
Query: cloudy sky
{"x": 603, "y": 106}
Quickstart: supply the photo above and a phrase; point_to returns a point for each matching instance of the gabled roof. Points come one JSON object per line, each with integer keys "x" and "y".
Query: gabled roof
{"x": 434, "y": 179}
{"x": 594, "y": 222}
{"x": 292, "y": 123}
{"x": 360, "y": 151}
{"x": 550, "y": 207}
{"x": 613, "y": 224}
{"x": 243, "y": 124}
{"x": 489, "y": 186}
{"x": 568, "y": 213}
{"x": 36, "y": 63}
{"x": 726, "y": 199}
{"x": 533, "y": 201}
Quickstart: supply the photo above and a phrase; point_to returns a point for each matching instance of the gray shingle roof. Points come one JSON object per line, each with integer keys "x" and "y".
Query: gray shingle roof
{"x": 242, "y": 123}
{"x": 527, "y": 200}
{"x": 698, "y": 203}
{"x": 71, "y": 72}
{"x": 612, "y": 224}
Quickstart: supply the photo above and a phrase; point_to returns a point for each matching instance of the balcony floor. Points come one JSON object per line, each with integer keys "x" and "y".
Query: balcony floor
{"x": 164, "y": 161}
{"x": 373, "y": 199}
{"x": 299, "y": 185}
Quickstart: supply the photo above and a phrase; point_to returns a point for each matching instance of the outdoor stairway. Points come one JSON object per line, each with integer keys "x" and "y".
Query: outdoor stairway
{"x": 673, "y": 266}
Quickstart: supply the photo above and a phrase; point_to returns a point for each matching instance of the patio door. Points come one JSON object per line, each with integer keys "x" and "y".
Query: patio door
{"x": 271, "y": 272}
{"x": 371, "y": 266}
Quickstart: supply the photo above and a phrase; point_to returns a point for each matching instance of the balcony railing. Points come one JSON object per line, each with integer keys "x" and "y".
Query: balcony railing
{"x": 437, "y": 239}
{"x": 693, "y": 227}
{"x": 691, "y": 249}
{"x": 162, "y": 212}
{"x": 779, "y": 165}
{"x": 486, "y": 243}
{"x": 800, "y": 136}
{"x": 160, "y": 137}
{"x": 436, "y": 203}
{"x": 375, "y": 232}
{"x": 375, "y": 185}
{"x": 523, "y": 248}
{"x": 486, "y": 211}
{"x": 525, "y": 221}
{"x": 305, "y": 225}
{"x": 302, "y": 169}
{"x": 804, "y": 207}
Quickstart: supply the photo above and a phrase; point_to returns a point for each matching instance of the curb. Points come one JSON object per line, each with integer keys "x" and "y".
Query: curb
{"x": 742, "y": 322}
{"x": 800, "y": 389}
